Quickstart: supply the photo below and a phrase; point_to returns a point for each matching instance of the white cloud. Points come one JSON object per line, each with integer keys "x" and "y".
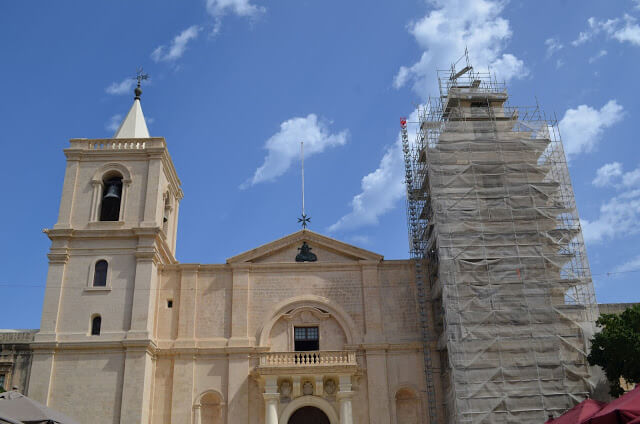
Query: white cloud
{"x": 582, "y": 127}
{"x": 360, "y": 239}
{"x": 630, "y": 31}
{"x": 114, "y": 123}
{"x": 553, "y": 46}
{"x": 623, "y": 29}
{"x": 619, "y": 216}
{"x": 597, "y": 56}
{"x": 447, "y": 30}
{"x": 631, "y": 179}
{"x": 220, "y": 8}
{"x": 607, "y": 173}
{"x": 632, "y": 265}
{"x": 284, "y": 146}
{"x": 123, "y": 87}
{"x": 177, "y": 47}
{"x": 381, "y": 190}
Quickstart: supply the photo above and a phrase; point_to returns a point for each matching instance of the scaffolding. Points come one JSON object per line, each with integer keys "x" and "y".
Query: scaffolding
{"x": 504, "y": 286}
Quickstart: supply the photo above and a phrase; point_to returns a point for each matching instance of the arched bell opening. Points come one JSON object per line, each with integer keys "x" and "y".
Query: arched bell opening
{"x": 111, "y": 197}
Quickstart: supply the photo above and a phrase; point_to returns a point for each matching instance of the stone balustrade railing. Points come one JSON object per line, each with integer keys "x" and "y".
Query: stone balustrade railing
{"x": 308, "y": 359}
{"x": 116, "y": 144}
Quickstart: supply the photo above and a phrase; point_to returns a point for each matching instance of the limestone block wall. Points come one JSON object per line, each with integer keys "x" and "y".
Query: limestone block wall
{"x": 88, "y": 385}
{"x": 79, "y": 300}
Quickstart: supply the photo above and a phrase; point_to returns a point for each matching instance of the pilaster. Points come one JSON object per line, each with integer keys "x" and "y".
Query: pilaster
{"x": 58, "y": 259}
{"x": 183, "y": 379}
{"x": 187, "y": 306}
{"x": 372, "y": 304}
{"x": 41, "y": 375}
{"x": 378, "y": 387}
{"x": 68, "y": 194}
{"x": 144, "y": 290}
{"x": 240, "y": 305}
{"x": 152, "y": 208}
{"x": 136, "y": 387}
{"x": 238, "y": 389}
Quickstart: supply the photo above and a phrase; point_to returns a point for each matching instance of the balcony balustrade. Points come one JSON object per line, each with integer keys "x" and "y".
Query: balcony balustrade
{"x": 311, "y": 359}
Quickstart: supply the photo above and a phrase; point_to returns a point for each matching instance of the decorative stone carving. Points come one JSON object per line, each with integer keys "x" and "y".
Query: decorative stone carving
{"x": 330, "y": 387}
{"x": 305, "y": 254}
{"x": 285, "y": 388}
{"x": 307, "y": 388}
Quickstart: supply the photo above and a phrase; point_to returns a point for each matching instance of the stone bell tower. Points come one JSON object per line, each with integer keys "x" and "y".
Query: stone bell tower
{"x": 117, "y": 223}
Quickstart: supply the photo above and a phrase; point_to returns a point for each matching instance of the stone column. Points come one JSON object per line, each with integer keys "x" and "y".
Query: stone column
{"x": 344, "y": 398}
{"x": 271, "y": 408}
{"x": 197, "y": 414}
{"x": 271, "y": 397}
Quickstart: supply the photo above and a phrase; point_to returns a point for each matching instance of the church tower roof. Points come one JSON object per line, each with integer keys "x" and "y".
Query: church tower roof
{"x": 133, "y": 125}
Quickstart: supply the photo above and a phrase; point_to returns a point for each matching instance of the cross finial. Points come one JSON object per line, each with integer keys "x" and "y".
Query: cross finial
{"x": 140, "y": 76}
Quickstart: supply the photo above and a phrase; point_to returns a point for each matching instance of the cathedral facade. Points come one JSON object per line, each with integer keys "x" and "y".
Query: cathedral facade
{"x": 305, "y": 329}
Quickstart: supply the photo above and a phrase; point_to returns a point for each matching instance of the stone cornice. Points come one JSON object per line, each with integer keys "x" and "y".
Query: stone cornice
{"x": 58, "y": 258}
{"x": 156, "y": 247}
{"x": 92, "y": 345}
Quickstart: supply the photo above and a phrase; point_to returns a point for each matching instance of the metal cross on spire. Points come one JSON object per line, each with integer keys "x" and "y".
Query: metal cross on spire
{"x": 304, "y": 220}
{"x": 140, "y": 76}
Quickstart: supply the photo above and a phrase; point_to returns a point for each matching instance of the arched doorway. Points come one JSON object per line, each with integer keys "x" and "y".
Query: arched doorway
{"x": 309, "y": 415}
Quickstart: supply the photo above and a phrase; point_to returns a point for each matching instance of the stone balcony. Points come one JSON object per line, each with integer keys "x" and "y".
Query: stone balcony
{"x": 307, "y": 362}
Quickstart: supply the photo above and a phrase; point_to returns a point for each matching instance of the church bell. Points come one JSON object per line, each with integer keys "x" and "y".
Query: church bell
{"x": 112, "y": 191}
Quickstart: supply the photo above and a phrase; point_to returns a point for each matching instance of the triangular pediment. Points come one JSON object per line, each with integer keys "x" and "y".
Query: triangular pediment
{"x": 326, "y": 249}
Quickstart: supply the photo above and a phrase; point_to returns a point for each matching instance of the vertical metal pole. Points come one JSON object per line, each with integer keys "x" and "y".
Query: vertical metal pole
{"x": 302, "y": 158}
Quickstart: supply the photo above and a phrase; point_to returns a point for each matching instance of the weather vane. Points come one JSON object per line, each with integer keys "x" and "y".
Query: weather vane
{"x": 304, "y": 220}
{"x": 140, "y": 76}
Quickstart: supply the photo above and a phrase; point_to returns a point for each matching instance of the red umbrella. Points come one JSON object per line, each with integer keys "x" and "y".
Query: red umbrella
{"x": 579, "y": 413}
{"x": 625, "y": 409}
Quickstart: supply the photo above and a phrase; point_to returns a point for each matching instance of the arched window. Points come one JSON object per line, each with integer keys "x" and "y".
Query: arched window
{"x": 407, "y": 408}
{"x": 100, "y": 274}
{"x": 96, "y": 322}
{"x": 111, "y": 198}
{"x": 211, "y": 409}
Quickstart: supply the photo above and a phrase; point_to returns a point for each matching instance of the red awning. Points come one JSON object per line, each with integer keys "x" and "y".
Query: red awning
{"x": 579, "y": 413}
{"x": 624, "y": 410}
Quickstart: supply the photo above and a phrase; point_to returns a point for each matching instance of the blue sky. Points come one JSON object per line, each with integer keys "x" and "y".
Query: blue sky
{"x": 235, "y": 84}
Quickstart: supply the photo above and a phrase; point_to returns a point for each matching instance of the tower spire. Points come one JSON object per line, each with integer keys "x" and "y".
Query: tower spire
{"x": 134, "y": 125}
